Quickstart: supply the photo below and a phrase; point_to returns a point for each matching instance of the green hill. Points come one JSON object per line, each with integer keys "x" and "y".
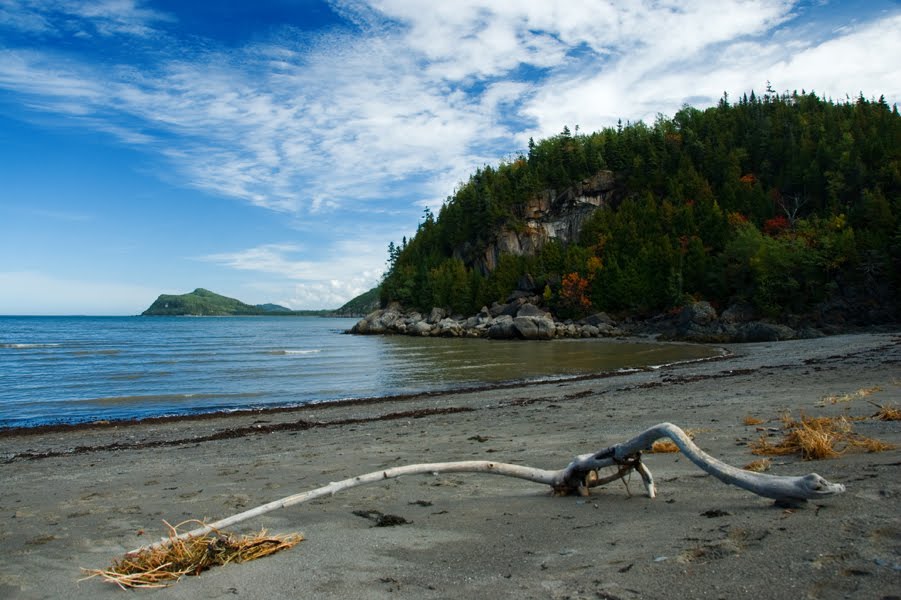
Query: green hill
{"x": 789, "y": 203}
{"x": 201, "y": 302}
{"x": 363, "y": 304}
{"x": 273, "y": 308}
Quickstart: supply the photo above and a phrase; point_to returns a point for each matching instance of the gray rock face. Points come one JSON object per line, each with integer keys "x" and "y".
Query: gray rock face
{"x": 530, "y": 310}
{"x": 449, "y": 328}
{"x": 511, "y": 308}
{"x": 738, "y": 313}
{"x": 699, "y": 313}
{"x": 551, "y": 215}
{"x": 362, "y": 327}
{"x": 535, "y": 328}
{"x": 380, "y": 321}
{"x": 526, "y": 327}
{"x": 521, "y": 318}
{"x": 526, "y": 320}
{"x": 502, "y": 329}
{"x": 598, "y": 319}
{"x": 547, "y": 328}
{"x": 420, "y": 328}
{"x": 698, "y": 323}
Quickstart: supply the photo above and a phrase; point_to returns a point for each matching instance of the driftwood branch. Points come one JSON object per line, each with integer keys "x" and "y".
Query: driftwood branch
{"x": 781, "y": 488}
{"x": 576, "y": 478}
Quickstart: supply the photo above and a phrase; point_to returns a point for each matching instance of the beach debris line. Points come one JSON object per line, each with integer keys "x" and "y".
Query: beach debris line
{"x": 581, "y": 474}
{"x": 161, "y": 565}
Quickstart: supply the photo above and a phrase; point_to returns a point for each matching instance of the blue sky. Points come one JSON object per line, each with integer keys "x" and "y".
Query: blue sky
{"x": 270, "y": 150}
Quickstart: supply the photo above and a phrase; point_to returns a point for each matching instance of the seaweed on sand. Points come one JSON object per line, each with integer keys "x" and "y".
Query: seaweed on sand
{"x": 816, "y": 438}
{"x": 162, "y": 566}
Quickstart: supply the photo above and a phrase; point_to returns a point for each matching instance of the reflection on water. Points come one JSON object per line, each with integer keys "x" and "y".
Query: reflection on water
{"x": 76, "y": 369}
{"x": 455, "y": 361}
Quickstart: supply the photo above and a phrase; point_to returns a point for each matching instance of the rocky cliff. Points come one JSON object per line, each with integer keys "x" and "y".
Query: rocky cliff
{"x": 551, "y": 215}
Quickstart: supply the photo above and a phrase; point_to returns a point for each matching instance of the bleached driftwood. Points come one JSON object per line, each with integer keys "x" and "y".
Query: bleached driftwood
{"x": 576, "y": 478}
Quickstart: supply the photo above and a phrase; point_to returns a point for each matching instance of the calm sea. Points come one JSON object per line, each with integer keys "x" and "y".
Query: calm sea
{"x": 79, "y": 369}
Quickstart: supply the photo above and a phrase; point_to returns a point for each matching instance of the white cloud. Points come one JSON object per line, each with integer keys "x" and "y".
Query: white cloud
{"x": 80, "y": 18}
{"x": 399, "y": 110}
{"x": 863, "y": 58}
{"x": 420, "y": 98}
{"x": 655, "y": 80}
{"x": 298, "y": 280}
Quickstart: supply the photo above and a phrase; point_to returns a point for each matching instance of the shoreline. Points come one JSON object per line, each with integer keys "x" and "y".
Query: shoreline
{"x": 242, "y": 429}
{"x": 59, "y": 427}
{"x": 81, "y": 497}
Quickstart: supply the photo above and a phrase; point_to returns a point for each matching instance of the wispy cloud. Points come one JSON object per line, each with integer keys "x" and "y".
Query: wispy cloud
{"x": 415, "y": 99}
{"x": 351, "y": 268}
{"x": 80, "y": 18}
{"x": 405, "y": 101}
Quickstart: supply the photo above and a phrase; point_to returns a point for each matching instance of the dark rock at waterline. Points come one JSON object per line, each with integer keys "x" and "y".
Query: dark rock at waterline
{"x": 760, "y": 331}
{"x": 502, "y": 328}
{"x": 525, "y": 318}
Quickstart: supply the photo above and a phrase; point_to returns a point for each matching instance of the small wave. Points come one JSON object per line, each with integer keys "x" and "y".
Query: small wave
{"x": 482, "y": 366}
{"x": 28, "y": 346}
{"x": 156, "y": 398}
{"x": 293, "y": 352}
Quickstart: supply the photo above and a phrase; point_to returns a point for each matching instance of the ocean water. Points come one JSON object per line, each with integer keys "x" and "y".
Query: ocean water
{"x": 83, "y": 369}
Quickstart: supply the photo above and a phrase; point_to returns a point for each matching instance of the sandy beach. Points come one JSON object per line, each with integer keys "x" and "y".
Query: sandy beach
{"x": 77, "y": 498}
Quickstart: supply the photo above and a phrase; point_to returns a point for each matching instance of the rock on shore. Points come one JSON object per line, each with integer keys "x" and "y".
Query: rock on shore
{"x": 522, "y": 318}
{"x": 519, "y": 319}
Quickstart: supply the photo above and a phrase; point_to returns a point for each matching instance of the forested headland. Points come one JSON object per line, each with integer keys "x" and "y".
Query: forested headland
{"x": 786, "y": 203}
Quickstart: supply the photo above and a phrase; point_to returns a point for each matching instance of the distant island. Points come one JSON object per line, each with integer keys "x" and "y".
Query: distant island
{"x": 202, "y": 302}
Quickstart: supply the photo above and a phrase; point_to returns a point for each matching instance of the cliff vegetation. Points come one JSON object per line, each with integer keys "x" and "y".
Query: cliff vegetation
{"x": 784, "y": 203}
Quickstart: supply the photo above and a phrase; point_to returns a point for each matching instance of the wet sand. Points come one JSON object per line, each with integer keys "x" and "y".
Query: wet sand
{"x": 80, "y": 497}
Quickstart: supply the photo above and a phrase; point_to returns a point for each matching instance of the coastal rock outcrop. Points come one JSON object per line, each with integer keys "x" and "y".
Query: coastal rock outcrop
{"x": 518, "y": 319}
{"x": 523, "y": 318}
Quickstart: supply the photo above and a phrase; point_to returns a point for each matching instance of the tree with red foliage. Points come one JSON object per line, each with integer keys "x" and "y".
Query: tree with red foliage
{"x": 776, "y": 225}
{"x": 572, "y": 293}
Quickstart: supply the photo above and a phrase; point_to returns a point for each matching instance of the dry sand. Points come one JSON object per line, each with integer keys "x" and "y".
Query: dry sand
{"x": 79, "y": 498}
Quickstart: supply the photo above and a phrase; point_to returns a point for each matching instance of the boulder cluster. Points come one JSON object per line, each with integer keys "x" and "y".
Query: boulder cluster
{"x": 517, "y": 319}
{"x": 523, "y": 318}
{"x": 699, "y": 322}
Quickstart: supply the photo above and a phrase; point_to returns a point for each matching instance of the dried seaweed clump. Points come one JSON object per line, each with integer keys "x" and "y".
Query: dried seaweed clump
{"x": 758, "y": 466}
{"x": 856, "y": 395}
{"x": 662, "y": 446}
{"x": 887, "y": 412}
{"x": 816, "y": 438}
{"x": 158, "y": 567}
{"x": 666, "y": 445}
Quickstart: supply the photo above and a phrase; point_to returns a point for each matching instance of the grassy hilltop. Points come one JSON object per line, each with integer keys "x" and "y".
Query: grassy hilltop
{"x": 205, "y": 303}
